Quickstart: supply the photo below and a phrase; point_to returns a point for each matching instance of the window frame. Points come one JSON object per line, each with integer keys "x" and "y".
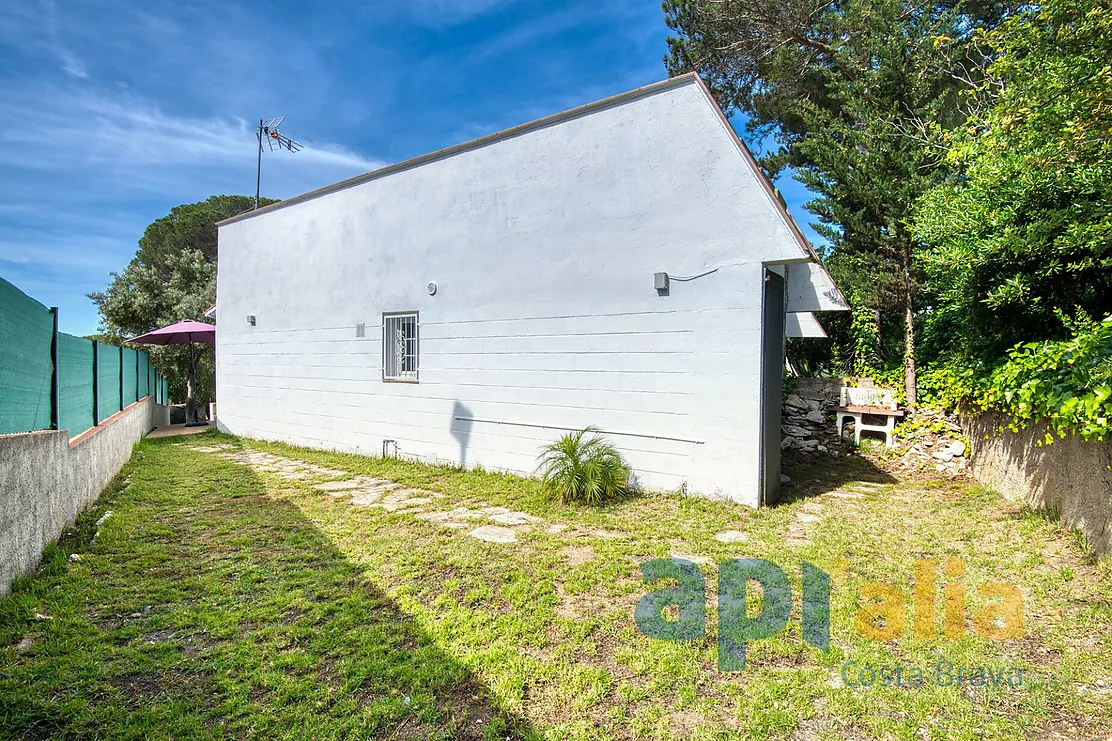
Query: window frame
{"x": 416, "y": 316}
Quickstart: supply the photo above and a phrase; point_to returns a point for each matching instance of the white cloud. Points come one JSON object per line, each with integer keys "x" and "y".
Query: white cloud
{"x": 56, "y": 129}
{"x": 71, "y": 65}
{"x": 86, "y": 169}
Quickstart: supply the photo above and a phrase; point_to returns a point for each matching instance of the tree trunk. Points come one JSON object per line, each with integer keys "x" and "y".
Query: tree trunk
{"x": 909, "y": 326}
{"x": 878, "y": 341}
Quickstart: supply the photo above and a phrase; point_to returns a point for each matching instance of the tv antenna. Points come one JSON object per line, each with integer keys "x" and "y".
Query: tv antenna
{"x": 268, "y": 132}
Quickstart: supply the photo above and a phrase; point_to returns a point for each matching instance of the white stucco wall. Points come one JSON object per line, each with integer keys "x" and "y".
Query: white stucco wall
{"x": 543, "y": 247}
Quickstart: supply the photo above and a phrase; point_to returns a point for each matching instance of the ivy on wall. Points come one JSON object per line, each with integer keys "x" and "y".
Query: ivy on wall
{"x": 1067, "y": 384}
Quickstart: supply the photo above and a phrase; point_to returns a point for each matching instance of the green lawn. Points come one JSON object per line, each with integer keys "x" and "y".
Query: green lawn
{"x": 221, "y": 600}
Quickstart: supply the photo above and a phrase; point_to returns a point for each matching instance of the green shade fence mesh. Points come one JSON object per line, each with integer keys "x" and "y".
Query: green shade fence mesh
{"x": 26, "y": 332}
{"x": 130, "y": 390}
{"x": 108, "y": 383}
{"x": 75, "y": 384}
{"x": 144, "y": 375}
{"x": 30, "y": 383}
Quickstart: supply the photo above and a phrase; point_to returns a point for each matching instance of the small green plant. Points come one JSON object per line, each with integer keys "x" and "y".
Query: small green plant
{"x": 582, "y": 467}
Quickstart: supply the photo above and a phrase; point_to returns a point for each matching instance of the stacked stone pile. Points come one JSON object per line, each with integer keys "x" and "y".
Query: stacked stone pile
{"x": 935, "y": 441}
{"x": 807, "y": 424}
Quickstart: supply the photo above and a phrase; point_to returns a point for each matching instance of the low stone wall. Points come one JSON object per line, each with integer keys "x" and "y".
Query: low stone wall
{"x": 1071, "y": 478}
{"x": 806, "y": 422}
{"x": 46, "y": 480}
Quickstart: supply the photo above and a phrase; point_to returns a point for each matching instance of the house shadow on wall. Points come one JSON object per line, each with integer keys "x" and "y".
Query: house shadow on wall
{"x": 460, "y": 425}
{"x": 299, "y": 605}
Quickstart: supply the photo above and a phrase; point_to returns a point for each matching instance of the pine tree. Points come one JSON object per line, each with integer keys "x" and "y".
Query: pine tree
{"x": 855, "y": 97}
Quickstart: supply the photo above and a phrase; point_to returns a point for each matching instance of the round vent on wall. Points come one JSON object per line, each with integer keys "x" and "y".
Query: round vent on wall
{"x": 432, "y": 288}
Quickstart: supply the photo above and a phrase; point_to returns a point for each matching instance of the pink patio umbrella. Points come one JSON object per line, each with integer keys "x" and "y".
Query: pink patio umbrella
{"x": 183, "y": 333}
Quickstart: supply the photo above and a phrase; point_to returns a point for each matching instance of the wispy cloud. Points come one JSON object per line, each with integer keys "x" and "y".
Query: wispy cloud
{"x": 87, "y": 169}
{"x": 114, "y": 111}
{"x": 54, "y": 129}
{"x": 447, "y": 12}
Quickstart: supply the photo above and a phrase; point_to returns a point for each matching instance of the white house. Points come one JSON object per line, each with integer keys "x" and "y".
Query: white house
{"x": 469, "y": 305}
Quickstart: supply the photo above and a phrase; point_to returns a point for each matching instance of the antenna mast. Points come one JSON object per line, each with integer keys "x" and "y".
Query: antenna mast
{"x": 268, "y": 132}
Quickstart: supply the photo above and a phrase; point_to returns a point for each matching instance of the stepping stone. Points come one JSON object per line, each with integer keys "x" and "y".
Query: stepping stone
{"x": 732, "y": 536}
{"x": 607, "y": 534}
{"x": 325, "y": 471}
{"x": 389, "y": 506}
{"x": 467, "y": 514}
{"x": 557, "y": 528}
{"x": 513, "y": 518}
{"x": 494, "y": 534}
{"x": 446, "y": 519}
{"x": 812, "y": 506}
{"x": 845, "y": 495}
{"x": 701, "y": 560}
{"x": 796, "y": 538}
{"x": 365, "y": 498}
{"x": 381, "y": 489}
{"x": 402, "y": 498}
{"x": 807, "y": 518}
{"x": 338, "y": 485}
{"x": 292, "y": 475}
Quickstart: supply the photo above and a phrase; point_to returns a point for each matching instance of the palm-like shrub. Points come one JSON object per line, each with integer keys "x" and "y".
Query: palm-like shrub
{"x": 582, "y": 467}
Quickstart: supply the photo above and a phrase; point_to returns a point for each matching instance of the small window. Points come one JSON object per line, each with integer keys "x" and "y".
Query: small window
{"x": 399, "y": 347}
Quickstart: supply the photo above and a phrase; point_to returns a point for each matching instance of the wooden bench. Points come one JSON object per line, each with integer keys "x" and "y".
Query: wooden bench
{"x": 858, "y": 403}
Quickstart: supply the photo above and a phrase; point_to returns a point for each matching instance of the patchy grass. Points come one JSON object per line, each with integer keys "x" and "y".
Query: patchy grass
{"x": 220, "y": 601}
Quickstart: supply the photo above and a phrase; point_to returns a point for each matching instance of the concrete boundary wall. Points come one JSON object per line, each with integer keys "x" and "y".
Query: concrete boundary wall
{"x": 1070, "y": 478}
{"x": 46, "y": 480}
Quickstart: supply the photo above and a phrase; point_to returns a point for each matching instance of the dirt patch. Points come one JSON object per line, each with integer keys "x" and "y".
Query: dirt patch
{"x": 138, "y": 686}
{"x": 589, "y": 604}
{"x": 578, "y": 555}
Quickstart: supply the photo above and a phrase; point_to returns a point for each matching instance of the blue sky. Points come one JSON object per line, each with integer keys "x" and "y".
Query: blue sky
{"x": 114, "y": 111}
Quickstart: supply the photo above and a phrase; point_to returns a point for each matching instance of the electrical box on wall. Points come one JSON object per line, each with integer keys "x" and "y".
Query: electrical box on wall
{"x": 660, "y": 281}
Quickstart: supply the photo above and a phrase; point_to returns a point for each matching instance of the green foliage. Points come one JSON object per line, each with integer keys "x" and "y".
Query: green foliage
{"x": 788, "y": 384}
{"x": 172, "y": 277}
{"x": 1067, "y": 383}
{"x": 855, "y": 96}
{"x": 1023, "y": 230}
{"x": 890, "y": 378}
{"x": 582, "y": 467}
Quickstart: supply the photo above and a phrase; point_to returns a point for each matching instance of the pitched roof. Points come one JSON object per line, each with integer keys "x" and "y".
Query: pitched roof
{"x": 540, "y": 123}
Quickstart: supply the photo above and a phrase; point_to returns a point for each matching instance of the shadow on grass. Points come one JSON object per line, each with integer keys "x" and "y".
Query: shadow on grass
{"x": 205, "y": 608}
{"x": 812, "y": 476}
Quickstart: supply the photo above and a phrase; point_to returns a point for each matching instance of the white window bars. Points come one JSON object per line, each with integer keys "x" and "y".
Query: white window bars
{"x": 400, "y": 346}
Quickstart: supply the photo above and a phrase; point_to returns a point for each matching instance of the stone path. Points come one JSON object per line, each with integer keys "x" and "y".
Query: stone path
{"x": 367, "y": 491}
{"x": 799, "y": 530}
